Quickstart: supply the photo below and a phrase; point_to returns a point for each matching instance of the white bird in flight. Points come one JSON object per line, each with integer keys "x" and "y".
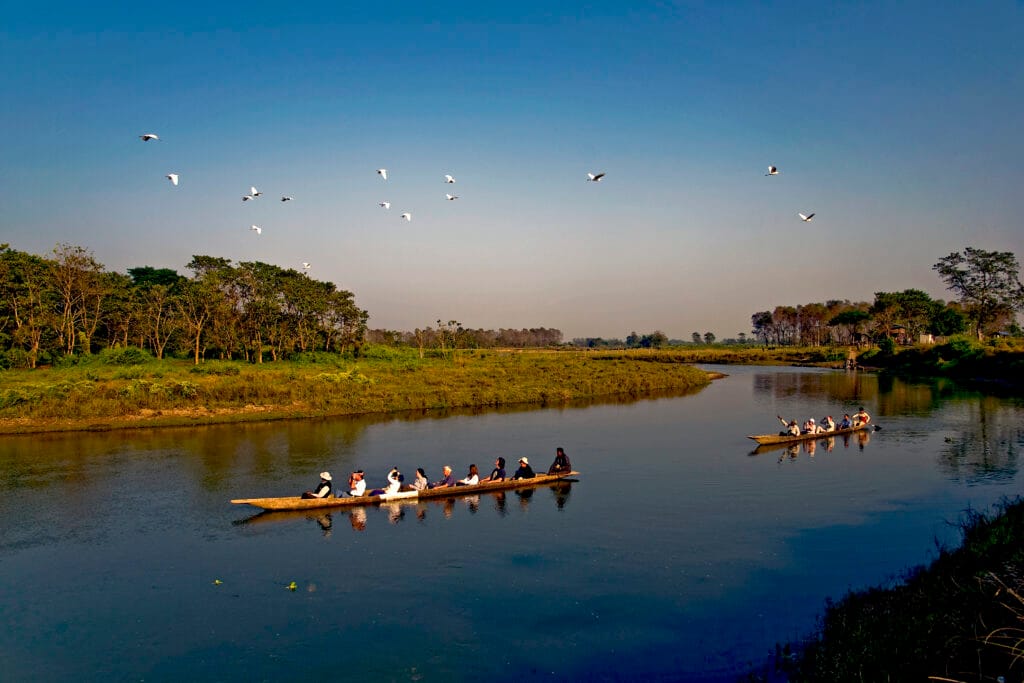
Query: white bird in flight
{"x": 807, "y": 218}
{"x": 383, "y": 173}
{"x": 247, "y": 197}
{"x": 256, "y": 229}
{"x": 407, "y": 216}
{"x": 449, "y": 179}
{"x": 595, "y": 177}
{"x": 286, "y": 199}
{"x": 385, "y": 205}
{"x": 306, "y": 265}
{"x": 173, "y": 177}
{"x": 254, "y": 192}
{"x": 146, "y": 137}
{"x": 772, "y": 171}
{"x": 451, "y": 197}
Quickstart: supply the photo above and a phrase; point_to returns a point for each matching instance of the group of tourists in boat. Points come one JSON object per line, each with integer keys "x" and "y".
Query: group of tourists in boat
{"x": 827, "y": 424}
{"x": 396, "y": 480}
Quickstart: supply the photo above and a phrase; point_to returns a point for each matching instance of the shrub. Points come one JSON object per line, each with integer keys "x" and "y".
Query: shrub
{"x": 131, "y": 355}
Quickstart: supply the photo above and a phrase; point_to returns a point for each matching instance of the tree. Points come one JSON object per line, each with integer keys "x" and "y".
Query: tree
{"x": 852, "y": 321}
{"x": 761, "y": 324}
{"x": 696, "y": 337}
{"x": 987, "y": 282}
{"x": 709, "y": 338}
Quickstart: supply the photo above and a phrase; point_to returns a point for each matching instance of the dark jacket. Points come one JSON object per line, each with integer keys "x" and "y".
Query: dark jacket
{"x": 524, "y": 472}
{"x": 560, "y": 465}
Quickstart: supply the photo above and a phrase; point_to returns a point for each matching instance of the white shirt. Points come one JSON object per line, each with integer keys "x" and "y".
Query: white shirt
{"x": 359, "y": 489}
{"x": 470, "y": 481}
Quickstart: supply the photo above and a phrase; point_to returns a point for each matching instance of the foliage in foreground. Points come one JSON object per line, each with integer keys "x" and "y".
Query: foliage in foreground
{"x": 323, "y": 384}
{"x": 960, "y": 619}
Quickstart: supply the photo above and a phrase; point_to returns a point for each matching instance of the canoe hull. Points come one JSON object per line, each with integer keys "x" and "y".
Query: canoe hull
{"x": 296, "y": 503}
{"x": 765, "y": 439}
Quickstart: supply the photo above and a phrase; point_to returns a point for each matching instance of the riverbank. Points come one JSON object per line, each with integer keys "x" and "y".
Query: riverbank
{"x": 127, "y": 388}
{"x": 959, "y": 619}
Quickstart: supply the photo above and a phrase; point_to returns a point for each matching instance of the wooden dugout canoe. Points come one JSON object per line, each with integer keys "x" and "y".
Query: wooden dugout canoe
{"x": 297, "y": 503}
{"x": 764, "y": 439}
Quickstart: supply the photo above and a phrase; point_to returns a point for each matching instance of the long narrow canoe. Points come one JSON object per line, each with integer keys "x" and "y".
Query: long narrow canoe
{"x": 785, "y": 438}
{"x": 297, "y": 503}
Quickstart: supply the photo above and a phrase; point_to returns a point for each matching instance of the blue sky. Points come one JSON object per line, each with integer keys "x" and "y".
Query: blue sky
{"x": 896, "y": 123}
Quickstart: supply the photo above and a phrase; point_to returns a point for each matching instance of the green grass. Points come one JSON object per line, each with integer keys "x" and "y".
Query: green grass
{"x": 94, "y": 390}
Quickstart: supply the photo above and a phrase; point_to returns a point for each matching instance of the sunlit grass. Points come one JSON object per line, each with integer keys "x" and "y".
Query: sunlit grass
{"x": 330, "y": 385}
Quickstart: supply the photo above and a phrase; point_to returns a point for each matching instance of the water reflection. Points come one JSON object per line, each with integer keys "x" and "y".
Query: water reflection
{"x": 810, "y": 447}
{"x": 988, "y": 444}
{"x": 397, "y": 511}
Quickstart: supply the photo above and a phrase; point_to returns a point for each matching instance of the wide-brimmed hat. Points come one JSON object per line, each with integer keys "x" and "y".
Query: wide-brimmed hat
{"x": 325, "y": 475}
{"x": 524, "y": 461}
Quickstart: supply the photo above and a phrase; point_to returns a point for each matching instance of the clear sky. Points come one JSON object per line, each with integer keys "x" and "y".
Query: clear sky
{"x": 899, "y": 124}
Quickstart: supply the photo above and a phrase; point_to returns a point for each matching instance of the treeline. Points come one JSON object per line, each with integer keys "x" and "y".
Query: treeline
{"x": 453, "y": 335}
{"x": 900, "y": 316}
{"x": 67, "y": 303}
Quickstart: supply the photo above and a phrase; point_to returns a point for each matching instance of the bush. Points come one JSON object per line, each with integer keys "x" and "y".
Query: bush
{"x": 215, "y": 368}
{"x": 16, "y": 359}
{"x": 131, "y": 355}
{"x": 960, "y": 349}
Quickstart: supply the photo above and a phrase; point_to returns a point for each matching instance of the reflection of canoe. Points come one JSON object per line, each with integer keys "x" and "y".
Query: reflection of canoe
{"x": 296, "y": 503}
{"x": 778, "y": 438}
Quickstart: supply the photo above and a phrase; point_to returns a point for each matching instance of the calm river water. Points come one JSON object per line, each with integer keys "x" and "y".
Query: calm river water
{"x": 678, "y": 555}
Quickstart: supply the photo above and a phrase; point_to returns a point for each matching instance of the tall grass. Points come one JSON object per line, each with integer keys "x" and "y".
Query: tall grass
{"x": 98, "y": 390}
{"x": 960, "y": 619}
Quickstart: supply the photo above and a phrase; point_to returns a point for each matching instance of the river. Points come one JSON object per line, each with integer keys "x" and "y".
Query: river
{"x": 680, "y": 553}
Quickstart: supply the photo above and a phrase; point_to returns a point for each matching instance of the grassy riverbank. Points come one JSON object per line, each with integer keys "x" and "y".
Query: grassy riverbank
{"x": 961, "y": 358}
{"x": 128, "y": 388}
{"x": 960, "y": 619}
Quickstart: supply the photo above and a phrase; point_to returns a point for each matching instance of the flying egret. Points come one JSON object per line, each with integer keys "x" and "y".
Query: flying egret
{"x": 286, "y": 199}
{"x": 173, "y": 177}
{"x": 383, "y": 173}
{"x": 385, "y": 205}
{"x": 256, "y": 229}
{"x": 407, "y": 216}
{"x": 772, "y": 171}
{"x": 247, "y": 197}
{"x": 448, "y": 179}
{"x": 306, "y": 265}
{"x": 254, "y": 192}
{"x": 595, "y": 177}
{"x": 807, "y": 218}
{"x": 146, "y": 137}
{"x": 451, "y": 197}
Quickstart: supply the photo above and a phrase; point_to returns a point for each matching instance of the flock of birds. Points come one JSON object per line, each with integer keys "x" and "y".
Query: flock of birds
{"x": 386, "y": 205}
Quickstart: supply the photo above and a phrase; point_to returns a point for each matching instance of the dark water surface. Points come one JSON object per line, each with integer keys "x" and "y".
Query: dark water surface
{"x": 679, "y": 554}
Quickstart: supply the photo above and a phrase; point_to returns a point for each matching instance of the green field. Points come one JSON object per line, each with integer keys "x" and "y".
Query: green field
{"x": 125, "y": 388}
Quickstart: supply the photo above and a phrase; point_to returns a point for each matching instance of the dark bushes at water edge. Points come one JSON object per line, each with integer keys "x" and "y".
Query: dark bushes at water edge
{"x": 961, "y": 619}
{"x": 961, "y": 358}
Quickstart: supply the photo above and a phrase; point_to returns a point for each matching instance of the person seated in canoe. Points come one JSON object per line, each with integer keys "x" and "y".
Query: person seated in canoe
{"x": 472, "y": 479}
{"x": 810, "y": 427}
{"x": 395, "y": 480}
{"x": 420, "y": 482}
{"x": 323, "y": 490}
{"x": 561, "y": 465}
{"x": 498, "y": 473}
{"x": 524, "y": 471}
{"x": 446, "y": 480}
{"x": 791, "y": 427}
{"x": 356, "y": 484}
{"x": 846, "y": 422}
{"x": 861, "y": 417}
{"x": 828, "y": 424}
